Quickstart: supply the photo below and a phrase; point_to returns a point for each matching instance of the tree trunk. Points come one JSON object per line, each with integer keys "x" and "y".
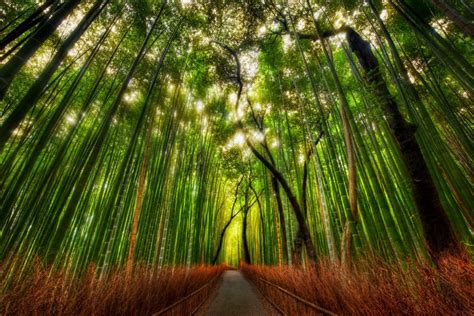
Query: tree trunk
{"x": 438, "y": 233}
{"x": 244, "y": 236}
{"x": 281, "y": 216}
{"x": 262, "y": 222}
{"x": 463, "y": 24}
{"x": 139, "y": 201}
{"x": 350, "y": 224}
{"x": 297, "y": 248}
{"x": 37, "y": 17}
{"x": 36, "y": 90}
{"x": 221, "y": 239}
{"x": 293, "y": 201}
{"x": 13, "y": 66}
{"x": 298, "y": 243}
{"x": 232, "y": 215}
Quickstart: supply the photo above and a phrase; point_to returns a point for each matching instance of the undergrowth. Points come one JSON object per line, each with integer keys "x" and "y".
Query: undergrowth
{"x": 371, "y": 288}
{"x": 147, "y": 291}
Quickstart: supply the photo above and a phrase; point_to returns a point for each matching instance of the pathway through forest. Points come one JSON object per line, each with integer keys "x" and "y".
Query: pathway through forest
{"x": 236, "y": 296}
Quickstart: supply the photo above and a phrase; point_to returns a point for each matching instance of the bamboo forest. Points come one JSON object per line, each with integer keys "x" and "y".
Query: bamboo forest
{"x": 236, "y": 157}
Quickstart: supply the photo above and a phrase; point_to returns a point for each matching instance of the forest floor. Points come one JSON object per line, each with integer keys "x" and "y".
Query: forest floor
{"x": 236, "y": 296}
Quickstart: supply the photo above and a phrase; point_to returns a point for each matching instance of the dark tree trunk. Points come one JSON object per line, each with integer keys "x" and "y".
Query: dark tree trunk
{"x": 245, "y": 225}
{"x": 7, "y": 54}
{"x": 36, "y": 90}
{"x": 232, "y": 215}
{"x": 37, "y": 17}
{"x": 463, "y": 24}
{"x": 281, "y": 215}
{"x": 437, "y": 229}
{"x": 293, "y": 201}
{"x": 298, "y": 243}
{"x": 221, "y": 239}
{"x": 298, "y": 248}
{"x": 244, "y": 236}
{"x": 13, "y": 66}
{"x": 260, "y": 212}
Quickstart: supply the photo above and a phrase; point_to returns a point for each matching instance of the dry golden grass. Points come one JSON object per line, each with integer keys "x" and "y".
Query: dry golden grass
{"x": 146, "y": 292}
{"x": 372, "y": 288}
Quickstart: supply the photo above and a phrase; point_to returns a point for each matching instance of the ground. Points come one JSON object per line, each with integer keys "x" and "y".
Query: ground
{"x": 236, "y": 296}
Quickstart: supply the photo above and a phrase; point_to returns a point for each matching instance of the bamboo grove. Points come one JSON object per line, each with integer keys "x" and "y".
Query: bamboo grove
{"x": 274, "y": 132}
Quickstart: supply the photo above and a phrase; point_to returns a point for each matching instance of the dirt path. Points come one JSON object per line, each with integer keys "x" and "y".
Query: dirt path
{"x": 236, "y": 297}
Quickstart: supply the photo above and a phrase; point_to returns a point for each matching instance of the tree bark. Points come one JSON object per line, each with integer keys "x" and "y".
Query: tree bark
{"x": 438, "y": 233}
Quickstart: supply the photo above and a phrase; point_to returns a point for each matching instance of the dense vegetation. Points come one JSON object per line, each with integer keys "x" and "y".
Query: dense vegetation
{"x": 199, "y": 132}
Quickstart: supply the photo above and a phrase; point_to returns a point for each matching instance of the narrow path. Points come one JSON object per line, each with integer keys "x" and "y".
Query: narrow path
{"x": 236, "y": 297}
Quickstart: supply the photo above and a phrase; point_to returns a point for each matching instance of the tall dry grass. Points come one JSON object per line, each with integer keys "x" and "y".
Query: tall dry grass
{"x": 146, "y": 292}
{"x": 371, "y": 288}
